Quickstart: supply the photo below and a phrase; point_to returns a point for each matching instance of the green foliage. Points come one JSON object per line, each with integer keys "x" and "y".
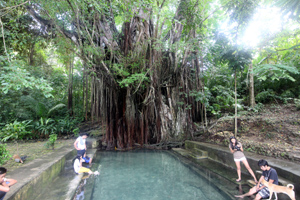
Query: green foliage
{"x": 51, "y": 141}
{"x": 275, "y": 72}
{"x": 224, "y": 96}
{"x": 4, "y": 154}
{"x": 287, "y": 94}
{"x": 45, "y": 126}
{"x": 40, "y": 56}
{"x": 203, "y": 97}
{"x": 289, "y": 7}
{"x": 297, "y": 103}
{"x": 16, "y": 131}
{"x": 258, "y": 107}
{"x": 240, "y": 12}
{"x": 215, "y": 109}
{"x": 236, "y": 58}
{"x": 16, "y": 77}
{"x": 265, "y": 96}
{"x": 76, "y": 132}
{"x": 68, "y": 125}
{"x": 57, "y": 107}
{"x": 134, "y": 79}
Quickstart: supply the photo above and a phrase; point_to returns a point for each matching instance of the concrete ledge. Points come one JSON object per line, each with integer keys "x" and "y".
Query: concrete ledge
{"x": 38, "y": 174}
{"x": 288, "y": 170}
{"x": 76, "y": 180}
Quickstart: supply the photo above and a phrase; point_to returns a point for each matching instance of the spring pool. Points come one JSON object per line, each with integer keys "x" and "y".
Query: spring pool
{"x": 148, "y": 175}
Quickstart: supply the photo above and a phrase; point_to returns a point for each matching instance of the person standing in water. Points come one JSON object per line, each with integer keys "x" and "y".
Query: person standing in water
{"x": 236, "y": 149}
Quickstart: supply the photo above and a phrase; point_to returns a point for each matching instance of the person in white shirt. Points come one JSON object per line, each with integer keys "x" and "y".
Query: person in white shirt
{"x": 80, "y": 144}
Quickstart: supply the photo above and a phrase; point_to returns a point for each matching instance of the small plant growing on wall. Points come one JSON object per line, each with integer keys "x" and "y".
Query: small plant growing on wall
{"x": 51, "y": 141}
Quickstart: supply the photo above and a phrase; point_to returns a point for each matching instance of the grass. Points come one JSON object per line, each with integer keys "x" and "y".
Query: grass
{"x": 33, "y": 150}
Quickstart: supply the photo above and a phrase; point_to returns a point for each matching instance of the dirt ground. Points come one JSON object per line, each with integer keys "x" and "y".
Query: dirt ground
{"x": 274, "y": 131}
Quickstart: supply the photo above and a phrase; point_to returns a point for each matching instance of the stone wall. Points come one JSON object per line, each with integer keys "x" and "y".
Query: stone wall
{"x": 287, "y": 171}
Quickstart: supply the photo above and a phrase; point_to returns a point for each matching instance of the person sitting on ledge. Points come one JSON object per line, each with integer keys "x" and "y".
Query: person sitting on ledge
{"x": 77, "y": 164}
{"x": 270, "y": 175}
{"x": 87, "y": 159}
{"x": 5, "y": 183}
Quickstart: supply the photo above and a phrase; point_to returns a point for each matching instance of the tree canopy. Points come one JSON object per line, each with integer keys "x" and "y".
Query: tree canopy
{"x": 147, "y": 71}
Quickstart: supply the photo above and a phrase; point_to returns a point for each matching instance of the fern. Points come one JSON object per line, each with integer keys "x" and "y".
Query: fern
{"x": 41, "y": 109}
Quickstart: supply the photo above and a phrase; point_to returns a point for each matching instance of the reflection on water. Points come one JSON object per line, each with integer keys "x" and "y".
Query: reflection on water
{"x": 80, "y": 191}
{"x": 146, "y": 175}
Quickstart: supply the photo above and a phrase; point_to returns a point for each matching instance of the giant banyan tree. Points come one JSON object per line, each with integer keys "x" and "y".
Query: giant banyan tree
{"x": 144, "y": 61}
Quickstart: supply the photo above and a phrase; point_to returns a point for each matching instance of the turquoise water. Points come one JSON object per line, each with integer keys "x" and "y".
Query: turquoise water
{"x": 149, "y": 175}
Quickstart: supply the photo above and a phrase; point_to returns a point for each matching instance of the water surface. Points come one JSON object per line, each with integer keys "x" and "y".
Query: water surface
{"x": 150, "y": 175}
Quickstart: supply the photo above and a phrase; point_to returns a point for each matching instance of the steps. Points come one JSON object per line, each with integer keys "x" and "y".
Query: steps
{"x": 193, "y": 153}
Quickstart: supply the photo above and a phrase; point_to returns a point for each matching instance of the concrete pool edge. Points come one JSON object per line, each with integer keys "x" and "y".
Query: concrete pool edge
{"x": 211, "y": 176}
{"x": 288, "y": 172}
{"x": 73, "y": 185}
{"x": 39, "y": 173}
{"x": 287, "y": 169}
{"x": 42, "y": 171}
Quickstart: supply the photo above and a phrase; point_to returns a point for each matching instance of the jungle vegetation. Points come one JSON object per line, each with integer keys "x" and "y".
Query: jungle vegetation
{"x": 150, "y": 71}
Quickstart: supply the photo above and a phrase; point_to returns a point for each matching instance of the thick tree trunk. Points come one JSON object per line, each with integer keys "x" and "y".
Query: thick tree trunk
{"x": 140, "y": 88}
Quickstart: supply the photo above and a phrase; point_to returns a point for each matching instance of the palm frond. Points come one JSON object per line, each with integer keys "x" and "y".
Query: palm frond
{"x": 58, "y": 106}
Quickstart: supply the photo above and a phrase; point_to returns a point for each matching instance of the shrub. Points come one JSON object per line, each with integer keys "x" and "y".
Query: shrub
{"x": 16, "y": 130}
{"x": 265, "y": 96}
{"x": 258, "y": 107}
{"x": 297, "y": 103}
{"x": 45, "y": 126}
{"x": 51, "y": 141}
{"x": 76, "y": 132}
{"x": 287, "y": 94}
{"x": 4, "y": 154}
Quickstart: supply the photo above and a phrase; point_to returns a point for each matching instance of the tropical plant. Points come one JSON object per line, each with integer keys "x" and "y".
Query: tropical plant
{"x": 265, "y": 96}
{"x": 51, "y": 141}
{"x": 15, "y": 77}
{"x": 17, "y": 131}
{"x": 67, "y": 125}
{"x": 76, "y": 132}
{"x": 45, "y": 126}
{"x": 4, "y": 154}
{"x": 275, "y": 72}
